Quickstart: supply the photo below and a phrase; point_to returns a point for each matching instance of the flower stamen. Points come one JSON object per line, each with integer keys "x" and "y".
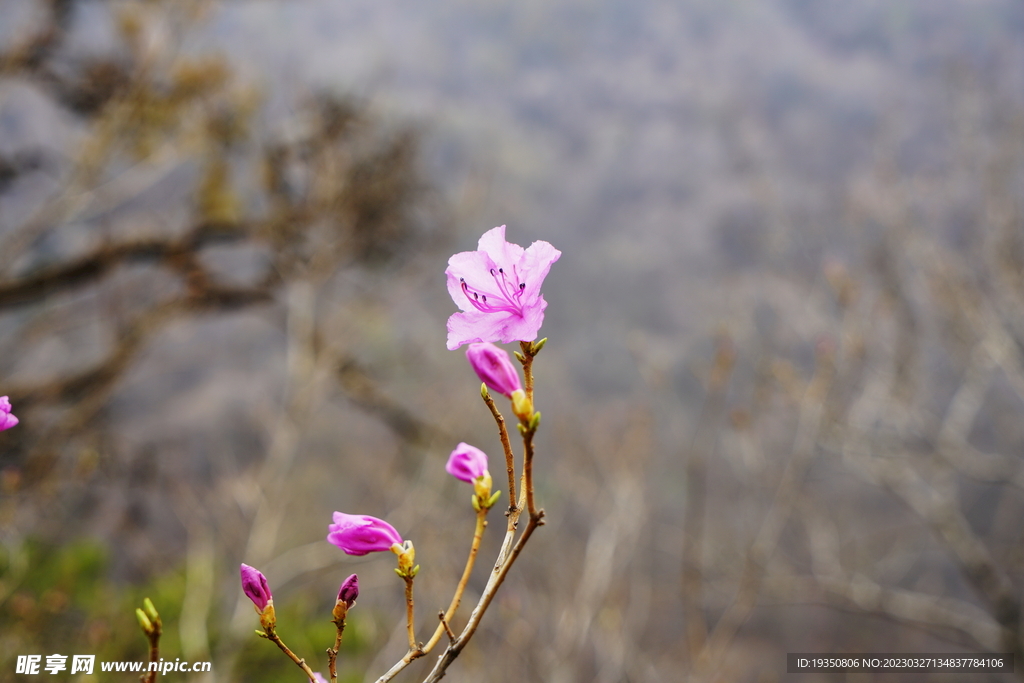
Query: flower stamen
{"x": 508, "y": 296}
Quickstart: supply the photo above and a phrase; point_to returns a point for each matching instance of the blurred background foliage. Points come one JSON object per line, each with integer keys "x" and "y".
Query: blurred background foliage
{"x": 784, "y": 390}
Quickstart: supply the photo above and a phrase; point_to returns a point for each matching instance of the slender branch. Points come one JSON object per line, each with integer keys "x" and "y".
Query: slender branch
{"x": 481, "y": 524}
{"x": 453, "y": 650}
{"x": 510, "y": 547}
{"x": 417, "y": 652}
{"x": 332, "y": 652}
{"x": 274, "y": 638}
{"x": 95, "y": 265}
{"x": 527, "y": 361}
{"x": 528, "y": 471}
{"x": 507, "y": 557}
{"x": 510, "y": 463}
{"x": 409, "y": 610}
{"x": 154, "y": 653}
{"x": 446, "y": 627}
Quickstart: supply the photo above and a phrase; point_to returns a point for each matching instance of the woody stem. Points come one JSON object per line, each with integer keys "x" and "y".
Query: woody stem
{"x": 510, "y": 464}
{"x": 481, "y": 523}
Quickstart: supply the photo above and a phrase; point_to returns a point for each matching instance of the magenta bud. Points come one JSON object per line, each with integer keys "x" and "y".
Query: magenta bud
{"x": 494, "y": 367}
{"x": 361, "y": 534}
{"x": 7, "y": 420}
{"x": 349, "y": 590}
{"x": 467, "y": 463}
{"x": 255, "y": 587}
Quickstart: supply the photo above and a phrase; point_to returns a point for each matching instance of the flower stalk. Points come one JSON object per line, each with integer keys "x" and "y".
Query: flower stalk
{"x": 410, "y": 614}
{"x": 510, "y": 462}
{"x": 271, "y": 635}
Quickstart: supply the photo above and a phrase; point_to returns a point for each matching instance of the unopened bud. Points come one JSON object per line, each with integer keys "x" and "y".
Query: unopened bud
{"x": 255, "y": 587}
{"x": 466, "y": 463}
{"x": 349, "y": 590}
{"x": 482, "y": 486}
{"x": 347, "y": 595}
{"x": 144, "y": 622}
{"x": 493, "y": 367}
{"x": 522, "y": 406}
{"x": 406, "y": 557}
{"x": 151, "y": 612}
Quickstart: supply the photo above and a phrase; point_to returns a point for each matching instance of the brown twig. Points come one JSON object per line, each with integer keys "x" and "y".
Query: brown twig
{"x": 446, "y": 627}
{"x": 527, "y": 360}
{"x": 332, "y": 652}
{"x": 153, "y": 637}
{"x": 528, "y": 470}
{"x": 481, "y": 524}
{"x": 453, "y": 650}
{"x": 103, "y": 260}
{"x": 415, "y": 652}
{"x": 272, "y": 636}
{"x": 510, "y": 464}
{"x": 409, "y": 614}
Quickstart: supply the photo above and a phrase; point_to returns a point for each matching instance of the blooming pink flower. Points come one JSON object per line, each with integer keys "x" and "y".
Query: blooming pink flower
{"x": 7, "y": 420}
{"x": 255, "y": 587}
{"x": 319, "y": 677}
{"x": 494, "y": 367}
{"x": 467, "y": 463}
{"x": 498, "y": 289}
{"x": 361, "y": 534}
{"x": 349, "y": 590}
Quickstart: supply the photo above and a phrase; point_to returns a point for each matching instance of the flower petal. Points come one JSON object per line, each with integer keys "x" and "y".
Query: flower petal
{"x": 536, "y": 263}
{"x": 475, "y": 268}
{"x": 466, "y": 463}
{"x": 494, "y": 367}
{"x": 480, "y": 326}
{"x": 361, "y": 534}
{"x": 503, "y": 253}
{"x": 255, "y": 586}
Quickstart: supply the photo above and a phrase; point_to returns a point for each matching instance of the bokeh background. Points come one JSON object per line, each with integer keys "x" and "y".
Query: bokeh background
{"x": 783, "y": 393}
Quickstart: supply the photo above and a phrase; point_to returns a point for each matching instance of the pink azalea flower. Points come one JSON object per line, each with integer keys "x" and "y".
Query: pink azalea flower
{"x": 7, "y": 420}
{"x": 467, "y": 463}
{"x": 361, "y": 534}
{"x": 498, "y": 289}
{"x": 494, "y": 367}
{"x": 319, "y": 677}
{"x": 255, "y": 587}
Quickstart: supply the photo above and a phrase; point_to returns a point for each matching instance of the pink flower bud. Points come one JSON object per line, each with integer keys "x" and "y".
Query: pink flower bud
{"x": 255, "y": 587}
{"x": 361, "y": 534}
{"x": 349, "y": 590}
{"x": 7, "y": 420}
{"x": 494, "y": 367}
{"x": 467, "y": 463}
